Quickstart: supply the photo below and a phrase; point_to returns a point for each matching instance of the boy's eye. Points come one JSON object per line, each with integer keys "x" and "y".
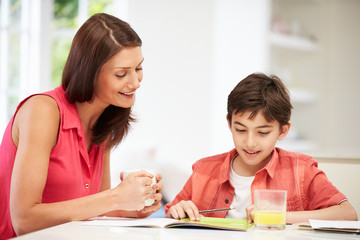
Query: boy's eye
{"x": 264, "y": 133}
{"x": 241, "y": 130}
{"x": 139, "y": 68}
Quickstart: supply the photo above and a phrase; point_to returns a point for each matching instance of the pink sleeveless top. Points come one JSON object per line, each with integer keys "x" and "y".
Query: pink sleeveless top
{"x": 72, "y": 173}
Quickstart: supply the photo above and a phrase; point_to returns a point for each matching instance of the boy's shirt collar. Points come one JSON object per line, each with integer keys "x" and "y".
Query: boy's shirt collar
{"x": 225, "y": 167}
{"x": 270, "y": 166}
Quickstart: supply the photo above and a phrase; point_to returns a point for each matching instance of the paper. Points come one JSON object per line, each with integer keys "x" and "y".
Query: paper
{"x": 334, "y": 224}
{"x": 129, "y": 222}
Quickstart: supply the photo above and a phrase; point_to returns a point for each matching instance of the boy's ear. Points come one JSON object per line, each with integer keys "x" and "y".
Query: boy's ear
{"x": 229, "y": 123}
{"x": 284, "y": 131}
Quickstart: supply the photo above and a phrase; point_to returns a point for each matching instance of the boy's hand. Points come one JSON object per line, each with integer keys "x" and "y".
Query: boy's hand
{"x": 184, "y": 209}
{"x": 250, "y": 212}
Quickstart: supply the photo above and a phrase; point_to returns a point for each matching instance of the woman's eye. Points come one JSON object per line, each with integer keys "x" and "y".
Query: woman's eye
{"x": 138, "y": 69}
{"x": 120, "y": 75}
{"x": 264, "y": 133}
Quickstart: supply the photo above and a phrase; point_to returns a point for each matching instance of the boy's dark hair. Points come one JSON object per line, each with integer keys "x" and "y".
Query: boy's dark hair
{"x": 97, "y": 40}
{"x": 261, "y": 93}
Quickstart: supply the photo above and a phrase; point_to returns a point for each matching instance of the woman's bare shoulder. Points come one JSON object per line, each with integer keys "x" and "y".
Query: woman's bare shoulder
{"x": 38, "y": 117}
{"x": 40, "y": 106}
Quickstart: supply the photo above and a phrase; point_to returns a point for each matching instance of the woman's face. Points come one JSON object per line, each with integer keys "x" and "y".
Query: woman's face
{"x": 119, "y": 78}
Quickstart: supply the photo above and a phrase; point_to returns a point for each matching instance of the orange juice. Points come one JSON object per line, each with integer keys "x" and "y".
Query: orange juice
{"x": 270, "y": 218}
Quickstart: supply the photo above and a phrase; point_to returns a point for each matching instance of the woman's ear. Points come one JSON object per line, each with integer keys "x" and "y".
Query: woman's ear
{"x": 284, "y": 131}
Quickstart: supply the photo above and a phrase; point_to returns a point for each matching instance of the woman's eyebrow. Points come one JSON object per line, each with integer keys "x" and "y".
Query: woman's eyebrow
{"x": 130, "y": 67}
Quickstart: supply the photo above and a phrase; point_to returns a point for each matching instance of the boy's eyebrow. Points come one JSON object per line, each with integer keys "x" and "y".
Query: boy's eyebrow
{"x": 239, "y": 123}
{"x": 265, "y": 126}
{"x": 262, "y": 126}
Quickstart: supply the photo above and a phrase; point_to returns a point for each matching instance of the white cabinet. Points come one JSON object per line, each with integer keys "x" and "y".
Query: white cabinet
{"x": 295, "y": 56}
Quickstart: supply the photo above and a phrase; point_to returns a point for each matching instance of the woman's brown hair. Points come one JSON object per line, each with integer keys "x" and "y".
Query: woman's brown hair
{"x": 97, "y": 40}
{"x": 260, "y": 93}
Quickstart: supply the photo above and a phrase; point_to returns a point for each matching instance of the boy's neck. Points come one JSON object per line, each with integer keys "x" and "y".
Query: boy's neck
{"x": 246, "y": 170}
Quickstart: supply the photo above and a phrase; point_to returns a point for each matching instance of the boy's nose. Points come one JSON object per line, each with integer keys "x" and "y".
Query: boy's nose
{"x": 251, "y": 142}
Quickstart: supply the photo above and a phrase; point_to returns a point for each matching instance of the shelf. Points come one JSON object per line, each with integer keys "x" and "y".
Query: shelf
{"x": 292, "y": 42}
{"x": 302, "y": 96}
{"x": 297, "y": 145}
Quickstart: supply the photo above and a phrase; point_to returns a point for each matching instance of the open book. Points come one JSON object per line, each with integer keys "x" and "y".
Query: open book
{"x": 331, "y": 225}
{"x": 205, "y": 222}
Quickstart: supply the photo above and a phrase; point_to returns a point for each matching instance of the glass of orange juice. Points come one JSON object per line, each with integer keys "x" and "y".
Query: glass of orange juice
{"x": 270, "y": 209}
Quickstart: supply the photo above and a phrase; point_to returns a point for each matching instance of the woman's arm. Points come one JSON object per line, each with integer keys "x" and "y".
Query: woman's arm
{"x": 34, "y": 133}
{"x": 106, "y": 176}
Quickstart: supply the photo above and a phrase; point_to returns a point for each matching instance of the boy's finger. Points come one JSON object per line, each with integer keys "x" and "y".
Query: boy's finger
{"x": 248, "y": 214}
{"x": 172, "y": 213}
{"x": 190, "y": 210}
{"x": 191, "y": 215}
{"x": 195, "y": 211}
{"x": 180, "y": 212}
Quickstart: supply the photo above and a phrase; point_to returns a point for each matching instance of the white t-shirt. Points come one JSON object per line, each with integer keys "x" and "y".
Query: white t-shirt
{"x": 242, "y": 197}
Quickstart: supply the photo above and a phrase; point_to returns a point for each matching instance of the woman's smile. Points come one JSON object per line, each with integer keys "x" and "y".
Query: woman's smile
{"x": 128, "y": 94}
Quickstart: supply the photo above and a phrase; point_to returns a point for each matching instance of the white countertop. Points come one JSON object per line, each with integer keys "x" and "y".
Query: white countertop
{"x": 75, "y": 230}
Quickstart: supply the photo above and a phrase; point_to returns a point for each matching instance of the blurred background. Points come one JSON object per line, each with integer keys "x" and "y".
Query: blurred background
{"x": 195, "y": 52}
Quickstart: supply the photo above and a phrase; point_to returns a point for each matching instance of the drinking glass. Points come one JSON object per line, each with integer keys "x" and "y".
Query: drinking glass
{"x": 270, "y": 209}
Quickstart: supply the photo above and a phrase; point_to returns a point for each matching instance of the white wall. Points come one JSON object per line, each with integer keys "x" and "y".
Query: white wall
{"x": 174, "y": 101}
{"x": 240, "y": 48}
{"x": 344, "y": 174}
{"x": 342, "y": 63}
{"x": 195, "y": 53}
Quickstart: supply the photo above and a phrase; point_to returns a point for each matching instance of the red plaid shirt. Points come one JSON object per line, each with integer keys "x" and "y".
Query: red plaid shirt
{"x": 307, "y": 187}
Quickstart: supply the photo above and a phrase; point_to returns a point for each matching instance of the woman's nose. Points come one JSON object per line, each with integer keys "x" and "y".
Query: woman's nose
{"x": 134, "y": 81}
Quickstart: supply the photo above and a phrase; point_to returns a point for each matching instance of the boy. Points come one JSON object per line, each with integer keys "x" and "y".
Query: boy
{"x": 259, "y": 111}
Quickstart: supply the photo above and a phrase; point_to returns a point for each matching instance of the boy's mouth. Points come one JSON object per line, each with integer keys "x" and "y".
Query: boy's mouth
{"x": 251, "y": 153}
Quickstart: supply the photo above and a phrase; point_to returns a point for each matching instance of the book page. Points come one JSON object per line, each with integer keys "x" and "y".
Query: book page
{"x": 207, "y": 222}
{"x": 216, "y": 223}
{"x": 128, "y": 222}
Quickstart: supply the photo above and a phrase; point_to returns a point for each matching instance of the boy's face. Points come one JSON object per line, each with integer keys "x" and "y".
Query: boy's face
{"x": 255, "y": 140}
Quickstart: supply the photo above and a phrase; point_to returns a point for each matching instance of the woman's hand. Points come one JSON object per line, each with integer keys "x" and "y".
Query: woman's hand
{"x": 184, "y": 209}
{"x": 145, "y": 211}
{"x": 132, "y": 192}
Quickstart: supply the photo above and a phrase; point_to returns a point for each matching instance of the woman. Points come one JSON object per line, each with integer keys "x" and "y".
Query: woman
{"x": 55, "y": 153}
